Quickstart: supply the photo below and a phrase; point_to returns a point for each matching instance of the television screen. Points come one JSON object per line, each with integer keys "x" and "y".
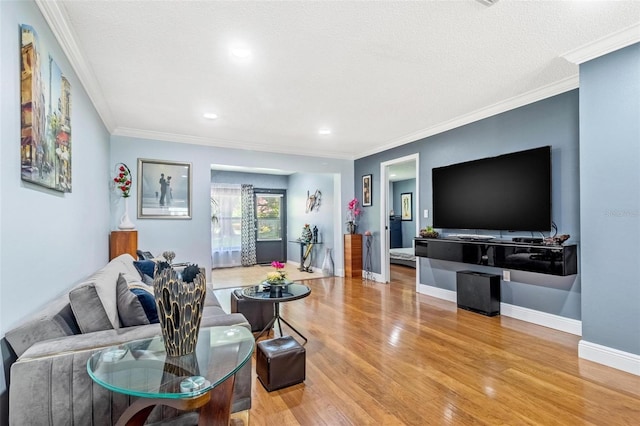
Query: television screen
{"x": 510, "y": 192}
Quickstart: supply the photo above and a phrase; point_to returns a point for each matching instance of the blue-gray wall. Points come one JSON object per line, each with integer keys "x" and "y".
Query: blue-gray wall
{"x": 553, "y": 121}
{"x": 408, "y": 226}
{"x": 610, "y": 199}
{"x": 191, "y": 239}
{"x": 49, "y": 241}
{"x": 296, "y": 185}
{"x": 324, "y": 217}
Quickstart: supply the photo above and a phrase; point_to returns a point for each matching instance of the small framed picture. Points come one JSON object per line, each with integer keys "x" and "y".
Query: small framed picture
{"x": 367, "y": 190}
{"x": 164, "y": 189}
{"x": 406, "y": 200}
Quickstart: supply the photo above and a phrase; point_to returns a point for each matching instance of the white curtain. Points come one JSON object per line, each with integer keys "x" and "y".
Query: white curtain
{"x": 226, "y": 227}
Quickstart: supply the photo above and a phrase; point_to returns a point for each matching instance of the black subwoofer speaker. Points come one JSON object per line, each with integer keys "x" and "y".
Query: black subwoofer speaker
{"x": 478, "y": 292}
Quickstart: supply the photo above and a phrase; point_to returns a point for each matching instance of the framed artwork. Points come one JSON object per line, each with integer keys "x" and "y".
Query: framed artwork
{"x": 367, "y": 190}
{"x": 406, "y": 201}
{"x": 164, "y": 189}
{"x": 45, "y": 116}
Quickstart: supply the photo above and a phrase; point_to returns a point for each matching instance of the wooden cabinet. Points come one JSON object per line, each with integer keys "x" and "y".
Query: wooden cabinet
{"x": 123, "y": 242}
{"x": 353, "y": 255}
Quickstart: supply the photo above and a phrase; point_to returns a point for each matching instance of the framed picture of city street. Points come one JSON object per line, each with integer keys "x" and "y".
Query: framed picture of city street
{"x": 45, "y": 116}
{"x": 164, "y": 189}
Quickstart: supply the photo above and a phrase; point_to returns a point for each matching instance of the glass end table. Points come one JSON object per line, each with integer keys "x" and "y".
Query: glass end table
{"x": 203, "y": 379}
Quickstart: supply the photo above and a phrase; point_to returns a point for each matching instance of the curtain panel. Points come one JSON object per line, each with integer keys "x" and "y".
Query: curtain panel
{"x": 248, "y": 235}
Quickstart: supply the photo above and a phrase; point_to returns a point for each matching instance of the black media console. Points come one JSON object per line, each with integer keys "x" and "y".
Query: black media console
{"x": 545, "y": 259}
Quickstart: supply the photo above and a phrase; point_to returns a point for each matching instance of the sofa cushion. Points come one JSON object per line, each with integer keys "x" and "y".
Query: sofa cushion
{"x": 145, "y": 267}
{"x": 94, "y": 301}
{"x": 130, "y": 309}
{"x": 88, "y": 309}
{"x": 145, "y": 296}
{"x": 54, "y": 320}
{"x": 148, "y": 302}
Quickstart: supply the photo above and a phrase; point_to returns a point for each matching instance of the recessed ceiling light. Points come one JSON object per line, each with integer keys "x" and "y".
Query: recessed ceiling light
{"x": 392, "y": 175}
{"x": 324, "y": 131}
{"x": 240, "y": 52}
{"x": 210, "y": 115}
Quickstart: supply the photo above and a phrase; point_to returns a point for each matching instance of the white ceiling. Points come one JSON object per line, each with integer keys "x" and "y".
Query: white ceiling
{"x": 402, "y": 171}
{"x": 379, "y": 74}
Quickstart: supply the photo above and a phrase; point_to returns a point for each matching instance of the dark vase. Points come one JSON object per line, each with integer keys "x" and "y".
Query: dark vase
{"x": 180, "y": 306}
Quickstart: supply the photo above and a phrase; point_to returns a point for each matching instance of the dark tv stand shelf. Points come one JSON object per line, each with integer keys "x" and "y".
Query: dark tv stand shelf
{"x": 544, "y": 259}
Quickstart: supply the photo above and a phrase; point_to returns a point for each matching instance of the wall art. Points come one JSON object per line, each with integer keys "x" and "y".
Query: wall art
{"x": 367, "y": 191}
{"x": 45, "y": 116}
{"x": 164, "y": 189}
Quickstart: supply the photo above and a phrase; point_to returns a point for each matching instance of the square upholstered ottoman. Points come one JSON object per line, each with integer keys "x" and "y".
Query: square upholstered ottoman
{"x": 258, "y": 314}
{"x": 280, "y": 362}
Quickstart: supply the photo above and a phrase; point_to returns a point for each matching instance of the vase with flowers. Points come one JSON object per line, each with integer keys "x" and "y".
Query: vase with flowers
{"x": 352, "y": 214}
{"x": 123, "y": 183}
{"x": 277, "y": 279}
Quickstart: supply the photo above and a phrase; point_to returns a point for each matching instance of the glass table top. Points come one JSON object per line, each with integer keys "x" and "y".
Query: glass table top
{"x": 142, "y": 367}
{"x": 276, "y": 292}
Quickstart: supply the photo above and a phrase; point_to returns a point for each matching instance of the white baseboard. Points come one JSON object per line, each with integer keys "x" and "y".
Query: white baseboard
{"x": 610, "y": 357}
{"x": 555, "y": 322}
{"x": 374, "y": 277}
{"x": 568, "y": 325}
{"x": 439, "y": 293}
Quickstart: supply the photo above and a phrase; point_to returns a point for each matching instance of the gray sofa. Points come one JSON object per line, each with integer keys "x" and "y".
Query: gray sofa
{"x": 49, "y": 383}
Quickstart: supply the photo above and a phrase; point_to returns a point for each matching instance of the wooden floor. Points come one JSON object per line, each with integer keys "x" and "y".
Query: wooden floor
{"x": 385, "y": 355}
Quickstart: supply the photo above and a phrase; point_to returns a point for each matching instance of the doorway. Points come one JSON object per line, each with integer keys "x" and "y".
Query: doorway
{"x": 400, "y": 197}
{"x": 271, "y": 225}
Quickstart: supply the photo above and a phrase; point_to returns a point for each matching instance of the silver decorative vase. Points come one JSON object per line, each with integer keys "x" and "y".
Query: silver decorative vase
{"x": 180, "y": 306}
{"x": 351, "y": 227}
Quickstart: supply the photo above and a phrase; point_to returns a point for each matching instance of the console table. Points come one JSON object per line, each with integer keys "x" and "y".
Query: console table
{"x": 306, "y": 252}
{"x": 545, "y": 259}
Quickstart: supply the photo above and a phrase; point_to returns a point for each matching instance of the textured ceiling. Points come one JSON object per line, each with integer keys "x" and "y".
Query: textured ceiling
{"x": 378, "y": 74}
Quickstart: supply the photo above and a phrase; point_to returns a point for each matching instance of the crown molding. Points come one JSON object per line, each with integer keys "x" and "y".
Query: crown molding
{"x": 57, "y": 18}
{"x": 602, "y": 46}
{"x": 226, "y": 143}
{"x": 530, "y": 97}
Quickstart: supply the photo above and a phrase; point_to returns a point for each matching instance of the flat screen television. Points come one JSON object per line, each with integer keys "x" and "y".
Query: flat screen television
{"x": 509, "y": 192}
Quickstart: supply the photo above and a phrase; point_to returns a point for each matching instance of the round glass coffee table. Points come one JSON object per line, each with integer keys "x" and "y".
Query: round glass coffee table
{"x": 277, "y": 294}
{"x": 201, "y": 380}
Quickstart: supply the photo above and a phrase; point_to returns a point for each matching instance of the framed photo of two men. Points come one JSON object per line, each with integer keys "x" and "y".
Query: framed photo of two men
{"x": 164, "y": 189}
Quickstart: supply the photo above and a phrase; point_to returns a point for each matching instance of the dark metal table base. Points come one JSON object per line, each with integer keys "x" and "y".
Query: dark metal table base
{"x": 277, "y": 318}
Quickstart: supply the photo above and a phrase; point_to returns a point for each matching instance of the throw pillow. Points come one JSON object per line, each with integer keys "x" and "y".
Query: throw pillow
{"x": 130, "y": 309}
{"x": 145, "y": 295}
{"x": 148, "y": 302}
{"x": 145, "y": 267}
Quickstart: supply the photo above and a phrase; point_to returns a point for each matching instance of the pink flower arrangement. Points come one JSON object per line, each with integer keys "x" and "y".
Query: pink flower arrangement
{"x": 277, "y": 265}
{"x": 353, "y": 210}
{"x": 279, "y": 275}
{"x": 123, "y": 179}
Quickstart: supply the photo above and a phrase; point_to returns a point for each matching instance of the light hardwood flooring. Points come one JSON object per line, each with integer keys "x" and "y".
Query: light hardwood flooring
{"x": 243, "y": 276}
{"x": 385, "y": 355}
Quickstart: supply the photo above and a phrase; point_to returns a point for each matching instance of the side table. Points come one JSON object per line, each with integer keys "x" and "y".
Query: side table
{"x": 276, "y": 294}
{"x": 201, "y": 380}
{"x": 123, "y": 242}
{"x": 353, "y": 255}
